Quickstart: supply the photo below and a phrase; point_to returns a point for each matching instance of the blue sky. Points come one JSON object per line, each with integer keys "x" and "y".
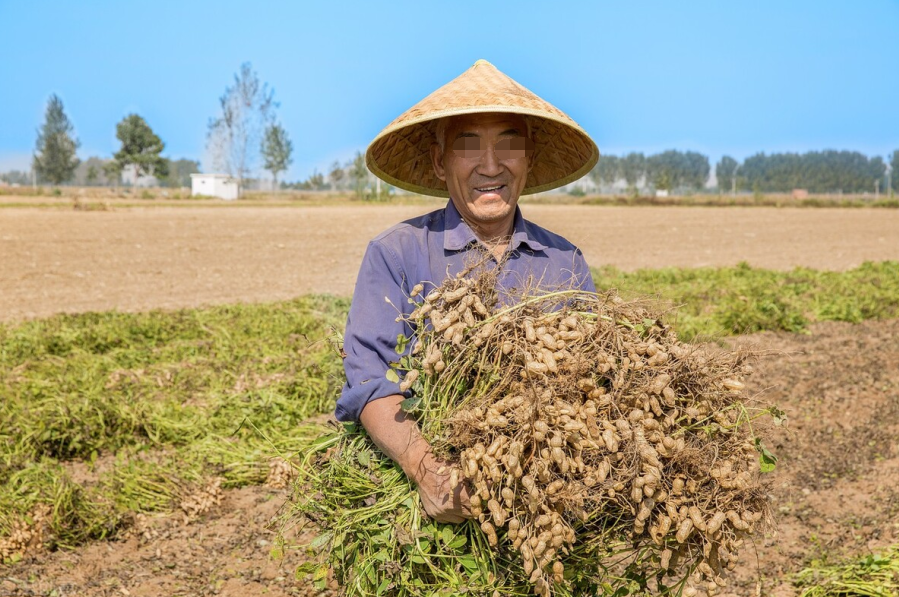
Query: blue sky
{"x": 711, "y": 76}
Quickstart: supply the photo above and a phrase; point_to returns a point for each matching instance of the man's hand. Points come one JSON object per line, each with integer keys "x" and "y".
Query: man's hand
{"x": 442, "y": 501}
{"x": 398, "y": 436}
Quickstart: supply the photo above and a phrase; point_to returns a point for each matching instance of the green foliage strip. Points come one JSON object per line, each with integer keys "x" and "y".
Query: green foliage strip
{"x": 154, "y": 404}
{"x": 723, "y": 301}
{"x": 874, "y": 575}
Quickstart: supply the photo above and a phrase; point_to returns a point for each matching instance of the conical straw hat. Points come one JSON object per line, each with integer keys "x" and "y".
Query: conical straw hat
{"x": 400, "y": 154}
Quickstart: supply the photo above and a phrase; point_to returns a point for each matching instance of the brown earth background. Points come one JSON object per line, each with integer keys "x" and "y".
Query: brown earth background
{"x": 144, "y": 258}
{"x": 834, "y": 492}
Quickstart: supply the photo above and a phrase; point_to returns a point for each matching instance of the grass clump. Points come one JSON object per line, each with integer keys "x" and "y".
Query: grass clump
{"x": 102, "y": 381}
{"x": 742, "y": 299}
{"x": 373, "y": 520}
{"x": 41, "y": 503}
{"x": 152, "y": 406}
{"x": 875, "y": 575}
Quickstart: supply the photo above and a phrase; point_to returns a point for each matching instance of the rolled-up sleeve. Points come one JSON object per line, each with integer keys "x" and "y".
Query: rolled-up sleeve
{"x": 371, "y": 333}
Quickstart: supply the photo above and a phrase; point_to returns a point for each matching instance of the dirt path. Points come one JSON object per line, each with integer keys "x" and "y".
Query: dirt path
{"x": 135, "y": 259}
{"x": 833, "y": 492}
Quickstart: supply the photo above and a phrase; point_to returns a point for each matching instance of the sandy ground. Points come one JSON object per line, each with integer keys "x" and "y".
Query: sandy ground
{"x": 834, "y": 490}
{"x": 55, "y": 260}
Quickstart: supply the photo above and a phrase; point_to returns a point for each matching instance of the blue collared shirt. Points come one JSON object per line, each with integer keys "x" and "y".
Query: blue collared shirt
{"x": 429, "y": 249}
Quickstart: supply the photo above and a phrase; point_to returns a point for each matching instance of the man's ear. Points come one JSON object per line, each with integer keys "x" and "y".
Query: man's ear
{"x": 437, "y": 161}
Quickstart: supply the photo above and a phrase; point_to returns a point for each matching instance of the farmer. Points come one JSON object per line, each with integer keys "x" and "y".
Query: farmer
{"x": 482, "y": 140}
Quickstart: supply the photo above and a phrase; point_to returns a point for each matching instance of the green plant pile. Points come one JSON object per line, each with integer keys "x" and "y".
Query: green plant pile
{"x": 741, "y": 299}
{"x": 376, "y": 538}
{"x": 104, "y": 415}
{"x": 600, "y": 452}
{"x": 875, "y": 575}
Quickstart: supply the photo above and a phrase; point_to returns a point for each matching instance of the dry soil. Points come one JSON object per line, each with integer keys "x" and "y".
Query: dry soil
{"x": 57, "y": 260}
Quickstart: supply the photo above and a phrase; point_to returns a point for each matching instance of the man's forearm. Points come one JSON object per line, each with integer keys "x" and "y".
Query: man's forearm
{"x": 397, "y": 435}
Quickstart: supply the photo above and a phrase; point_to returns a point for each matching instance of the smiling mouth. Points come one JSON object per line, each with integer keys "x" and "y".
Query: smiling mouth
{"x": 489, "y": 189}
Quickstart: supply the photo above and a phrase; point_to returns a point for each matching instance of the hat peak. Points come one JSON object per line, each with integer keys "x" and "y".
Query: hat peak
{"x": 481, "y": 61}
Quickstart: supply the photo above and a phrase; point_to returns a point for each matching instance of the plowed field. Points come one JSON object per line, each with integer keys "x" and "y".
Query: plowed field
{"x": 136, "y": 259}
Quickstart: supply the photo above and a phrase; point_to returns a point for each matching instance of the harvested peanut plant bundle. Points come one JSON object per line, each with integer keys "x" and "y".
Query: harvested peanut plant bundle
{"x": 594, "y": 443}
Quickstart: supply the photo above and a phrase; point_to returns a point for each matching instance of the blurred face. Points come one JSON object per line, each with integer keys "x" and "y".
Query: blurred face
{"x": 485, "y": 161}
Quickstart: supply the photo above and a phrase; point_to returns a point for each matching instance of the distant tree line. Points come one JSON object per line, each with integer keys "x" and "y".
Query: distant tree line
{"x": 96, "y": 171}
{"x": 247, "y": 128}
{"x": 353, "y": 175}
{"x": 669, "y": 170}
{"x": 827, "y": 171}
{"x": 16, "y": 177}
{"x": 817, "y": 171}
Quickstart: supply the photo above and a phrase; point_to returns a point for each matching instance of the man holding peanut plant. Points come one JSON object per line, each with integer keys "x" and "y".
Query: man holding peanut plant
{"x": 482, "y": 140}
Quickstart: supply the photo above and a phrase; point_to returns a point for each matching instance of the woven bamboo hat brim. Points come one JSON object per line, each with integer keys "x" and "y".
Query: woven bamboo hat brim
{"x": 400, "y": 154}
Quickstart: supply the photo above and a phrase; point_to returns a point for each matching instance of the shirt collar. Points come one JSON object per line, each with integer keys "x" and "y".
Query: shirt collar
{"x": 459, "y": 234}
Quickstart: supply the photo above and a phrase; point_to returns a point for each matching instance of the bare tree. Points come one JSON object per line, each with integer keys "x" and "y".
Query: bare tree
{"x": 233, "y": 139}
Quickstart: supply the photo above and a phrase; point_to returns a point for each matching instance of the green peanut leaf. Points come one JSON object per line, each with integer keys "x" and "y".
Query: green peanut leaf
{"x": 767, "y": 460}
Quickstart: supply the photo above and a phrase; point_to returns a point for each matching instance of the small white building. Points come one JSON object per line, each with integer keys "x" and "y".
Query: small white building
{"x": 214, "y": 185}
